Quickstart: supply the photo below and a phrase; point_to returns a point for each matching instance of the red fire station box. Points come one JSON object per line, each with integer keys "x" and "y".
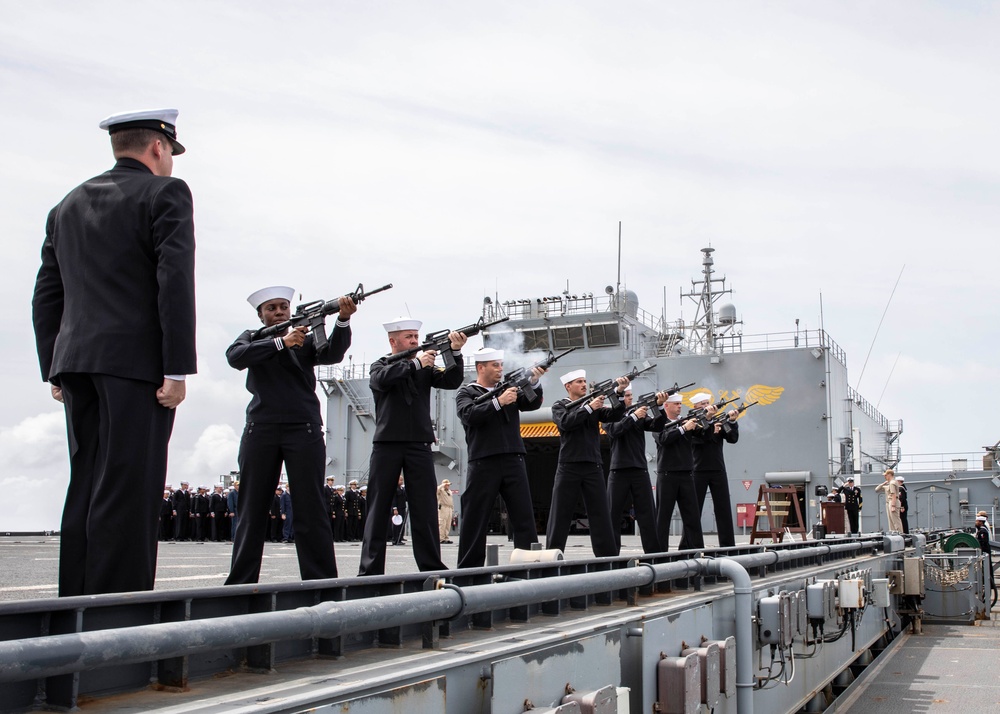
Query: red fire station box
{"x": 745, "y": 514}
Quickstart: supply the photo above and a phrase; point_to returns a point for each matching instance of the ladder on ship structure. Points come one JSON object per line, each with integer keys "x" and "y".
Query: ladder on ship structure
{"x": 362, "y": 406}
{"x": 774, "y": 506}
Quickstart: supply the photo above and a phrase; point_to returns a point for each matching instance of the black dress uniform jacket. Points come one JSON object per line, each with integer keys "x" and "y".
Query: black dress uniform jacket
{"x": 579, "y": 434}
{"x": 115, "y": 293}
{"x": 282, "y": 382}
{"x": 489, "y": 428}
{"x": 402, "y": 393}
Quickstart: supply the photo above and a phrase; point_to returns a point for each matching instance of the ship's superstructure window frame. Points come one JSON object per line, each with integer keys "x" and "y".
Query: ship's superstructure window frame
{"x": 536, "y": 339}
{"x": 566, "y": 336}
{"x": 603, "y": 334}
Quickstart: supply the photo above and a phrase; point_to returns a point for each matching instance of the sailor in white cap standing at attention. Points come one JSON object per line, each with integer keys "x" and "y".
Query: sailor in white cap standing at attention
{"x": 402, "y": 443}
{"x": 580, "y": 471}
{"x": 114, "y": 321}
{"x": 284, "y": 425}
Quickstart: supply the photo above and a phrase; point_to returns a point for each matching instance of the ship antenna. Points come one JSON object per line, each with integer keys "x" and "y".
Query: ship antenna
{"x": 888, "y": 302}
{"x": 618, "y": 283}
{"x": 887, "y": 381}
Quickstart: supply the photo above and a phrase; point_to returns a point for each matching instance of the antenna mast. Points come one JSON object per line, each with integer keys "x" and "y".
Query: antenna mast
{"x": 709, "y": 326}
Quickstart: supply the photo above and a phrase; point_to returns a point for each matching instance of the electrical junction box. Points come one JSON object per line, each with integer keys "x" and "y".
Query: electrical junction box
{"x": 709, "y": 661}
{"x": 895, "y": 578}
{"x": 775, "y": 618}
{"x": 599, "y": 701}
{"x": 727, "y": 665}
{"x": 821, "y": 600}
{"x": 913, "y": 576}
{"x": 678, "y": 685}
{"x": 800, "y": 614}
{"x": 880, "y": 592}
{"x": 852, "y": 593}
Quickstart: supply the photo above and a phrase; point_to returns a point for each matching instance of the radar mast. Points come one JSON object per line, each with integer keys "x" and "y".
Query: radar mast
{"x": 710, "y": 326}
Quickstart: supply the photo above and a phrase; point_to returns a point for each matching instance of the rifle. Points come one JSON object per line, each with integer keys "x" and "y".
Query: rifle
{"x": 521, "y": 378}
{"x": 724, "y": 418}
{"x": 650, "y": 400}
{"x": 313, "y": 315}
{"x": 699, "y": 414}
{"x": 440, "y": 342}
{"x": 608, "y": 388}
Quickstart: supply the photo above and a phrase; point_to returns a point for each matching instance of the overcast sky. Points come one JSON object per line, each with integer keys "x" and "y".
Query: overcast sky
{"x": 462, "y": 149}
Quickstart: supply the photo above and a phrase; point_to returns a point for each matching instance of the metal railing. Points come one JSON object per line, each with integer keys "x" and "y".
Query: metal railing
{"x": 53, "y": 651}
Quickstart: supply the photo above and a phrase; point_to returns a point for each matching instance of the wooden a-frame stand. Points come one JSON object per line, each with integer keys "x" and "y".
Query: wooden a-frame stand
{"x": 774, "y": 504}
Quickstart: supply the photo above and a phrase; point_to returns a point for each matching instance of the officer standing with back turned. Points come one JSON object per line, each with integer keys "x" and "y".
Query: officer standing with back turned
{"x": 114, "y": 320}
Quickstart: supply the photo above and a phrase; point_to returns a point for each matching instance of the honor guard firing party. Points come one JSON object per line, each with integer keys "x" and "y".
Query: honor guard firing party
{"x": 118, "y": 260}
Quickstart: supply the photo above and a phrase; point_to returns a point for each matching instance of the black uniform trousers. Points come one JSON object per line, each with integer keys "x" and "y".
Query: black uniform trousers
{"x": 415, "y": 461}
{"x": 572, "y": 479}
{"x": 118, "y": 436}
{"x": 718, "y": 482}
{"x": 182, "y": 525}
{"x": 504, "y": 475}
{"x": 852, "y": 518}
{"x": 677, "y": 488}
{"x": 621, "y": 483}
{"x": 263, "y": 448}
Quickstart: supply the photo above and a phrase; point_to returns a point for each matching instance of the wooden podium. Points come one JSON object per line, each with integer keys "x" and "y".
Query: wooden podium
{"x": 774, "y": 506}
{"x": 833, "y": 516}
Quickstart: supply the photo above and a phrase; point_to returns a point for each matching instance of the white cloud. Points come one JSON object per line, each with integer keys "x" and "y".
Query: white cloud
{"x": 214, "y": 454}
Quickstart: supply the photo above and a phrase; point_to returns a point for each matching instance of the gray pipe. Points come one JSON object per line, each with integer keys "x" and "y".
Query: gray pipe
{"x": 744, "y": 627}
{"x": 38, "y": 657}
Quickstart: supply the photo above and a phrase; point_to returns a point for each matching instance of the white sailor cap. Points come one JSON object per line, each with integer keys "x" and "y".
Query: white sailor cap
{"x": 402, "y": 323}
{"x": 628, "y": 387}
{"x": 353, "y": 480}
{"x": 900, "y": 478}
{"x": 487, "y": 354}
{"x": 161, "y": 120}
{"x": 273, "y": 292}
{"x": 981, "y": 518}
{"x": 364, "y": 488}
{"x": 575, "y": 374}
{"x": 675, "y": 399}
{"x": 701, "y": 397}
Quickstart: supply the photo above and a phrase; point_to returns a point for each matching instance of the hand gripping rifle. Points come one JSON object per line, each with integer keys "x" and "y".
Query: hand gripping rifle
{"x": 608, "y": 388}
{"x": 521, "y": 378}
{"x": 313, "y": 315}
{"x": 441, "y": 343}
{"x": 650, "y": 399}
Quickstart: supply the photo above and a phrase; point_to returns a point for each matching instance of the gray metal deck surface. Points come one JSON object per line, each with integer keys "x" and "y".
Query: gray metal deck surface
{"x": 947, "y": 668}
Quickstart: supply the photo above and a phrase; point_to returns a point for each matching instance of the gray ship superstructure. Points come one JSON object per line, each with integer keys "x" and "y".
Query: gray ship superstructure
{"x": 809, "y": 428}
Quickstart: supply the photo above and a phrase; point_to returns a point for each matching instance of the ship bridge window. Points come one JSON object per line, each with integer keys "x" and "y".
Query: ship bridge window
{"x": 565, "y": 337}
{"x": 603, "y": 335}
{"x": 536, "y": 340}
